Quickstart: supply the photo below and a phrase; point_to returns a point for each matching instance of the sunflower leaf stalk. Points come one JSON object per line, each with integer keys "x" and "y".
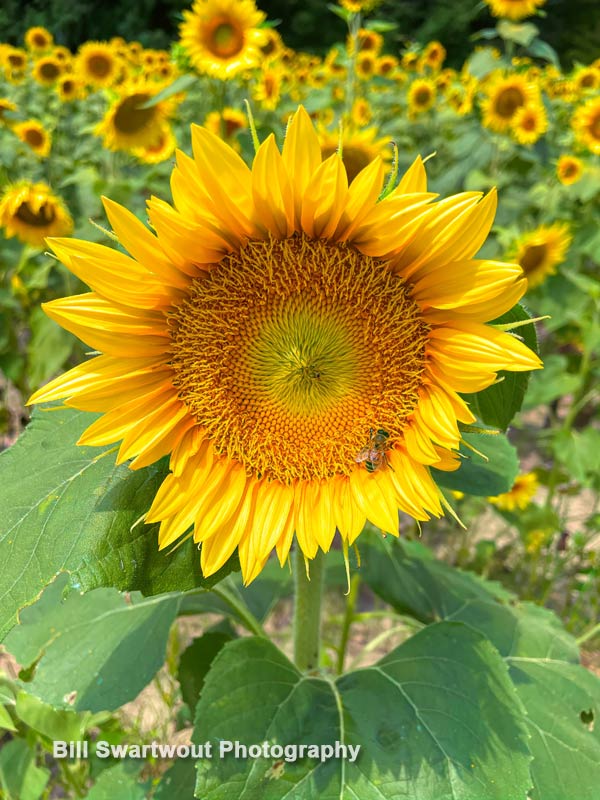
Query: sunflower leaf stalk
{"x": 308, "y": 592}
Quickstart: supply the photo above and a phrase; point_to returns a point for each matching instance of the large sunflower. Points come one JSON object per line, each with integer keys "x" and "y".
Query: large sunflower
{"x": 222, "y": 36}
{"x": 540, "y": 251}
{"x": 295, "y": 345}
{"x": 514, "y": 9}
{"x": 31, "y": 212}
{"x": 586, "y": 124}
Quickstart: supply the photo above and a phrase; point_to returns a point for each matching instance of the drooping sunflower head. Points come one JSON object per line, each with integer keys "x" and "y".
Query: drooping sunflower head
{"x": 514, "y": 10}
{"x": 569, "y": 169}
{"x": 529, "y": 123}
{"x": 504, "y": 97}
{"x": 227, "y": 124}
{"x": 14, "y": 60}
{"x": 541, "y": 250}
{"x": 222, "y": 37}
{"x": 33, "y": 133}
{"x": 586, "y": 124}
{"x": 30, "y": 211}
{"x": 47, "y": 70}
{"x": 160, "y": 150}
{"x": 38, "y": 39}
{"x": 359, "y": 147}
{"x": 6, "y": 107}
{"x": 128, "y": 123}
{"x": 520, "y": 495}
{"x": 98, "y": 65}
{"x": 294, "y": 344}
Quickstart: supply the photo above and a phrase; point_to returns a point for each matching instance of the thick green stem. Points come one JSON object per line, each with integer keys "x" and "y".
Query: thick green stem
{"x": 307, "y": 610}
{"x": 349, "y": 618}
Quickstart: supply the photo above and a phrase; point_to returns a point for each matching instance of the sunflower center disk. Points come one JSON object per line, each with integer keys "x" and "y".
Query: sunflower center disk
{"x": 291, "y": 351}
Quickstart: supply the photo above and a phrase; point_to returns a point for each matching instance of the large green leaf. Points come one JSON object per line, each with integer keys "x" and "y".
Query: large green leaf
{"x": 94, "y": 651}
{"x": 490, "y": 475}
{"x": 20, "y": 777}
{"x": 497, "y": 405}
{"x": 437, "y": 719}
{"x": 120, "y": 782}
{"x": 560, "y": 697}
{"x": 69, "y": 508}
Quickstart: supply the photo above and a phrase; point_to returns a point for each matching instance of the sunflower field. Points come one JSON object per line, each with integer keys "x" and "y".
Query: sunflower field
{"x": 299, "y": 372}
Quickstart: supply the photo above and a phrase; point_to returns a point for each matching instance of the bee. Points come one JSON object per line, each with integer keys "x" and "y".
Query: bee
{"x": 373, "y": 454}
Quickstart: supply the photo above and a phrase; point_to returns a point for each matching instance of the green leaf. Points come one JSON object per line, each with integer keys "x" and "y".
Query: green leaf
{"x": 552, "y": 382}
{"x": 522, "y": 33}
{"x": 54, "y": 724}
{"x": 476, "y": 475}
{"x": 482, "y": 62}
{"x": 562, "y": 703}
{"x": 94, "y": 651}
{"x": 579, "y": 451}
{"x": 49, "y": 347}
{"x": 69, "y": 508}
{"x": 436, "y": 719}
{"x": 178, "y": 781}
{"x": 541, "y": 49}
{"x": 6, "y": 722}
{"x": 119, "y": 783}
{"x": 181, "y": 84}
{"x": 406, "y": 576}
{"x": 497, "y": 405}
{"x": 561, "y": 698}
{"x": 195, "y": 662}
{"x": 20, "y": 777}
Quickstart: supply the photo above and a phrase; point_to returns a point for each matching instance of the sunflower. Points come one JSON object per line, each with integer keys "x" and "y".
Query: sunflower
{"x": 47, "y": 70}
{"x": 31, "y": 212}
{"x": 15, "y": 64}
{"x": 6, "y": 106}
{"x": 33, "y": 133}
{"x": 97, "y": 64}
{"x": 127, "y": 124}
{"x": 163, "y": 147}
{"x": 504, "y": 97}
{"x": 366, "y": 65}
{"x": 540, "y": 251}
{"x": 433, "y": 55}
{"x": 227, "y": 124}
{"x": 365, "y": 40}
{"x": 569, "y": 169}
{"x": 358, "y": 6}
{"x": 272, "y": 44}
{"x": 529, "y": 123}
{"x": 222, "y": 37}
{"x": 359, "y": 147}
{"x": 70, "y": 88}
{"x": 267, "y": 90}
{"x": 514, "y": 9}
{"x": 387, "y": 66}
{"x": 361, "y": 112}
{"x": 586, "y": 124}
{"x": 521, "y": 494}
{"x": 342, "y": 329}
{"x": 587, "y": 78}
{"x": 38, "y": 39}
{"x": 421, "y": 96}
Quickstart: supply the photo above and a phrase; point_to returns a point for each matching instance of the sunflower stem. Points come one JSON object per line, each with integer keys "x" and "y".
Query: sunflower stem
{"x": 307, "y": 610}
